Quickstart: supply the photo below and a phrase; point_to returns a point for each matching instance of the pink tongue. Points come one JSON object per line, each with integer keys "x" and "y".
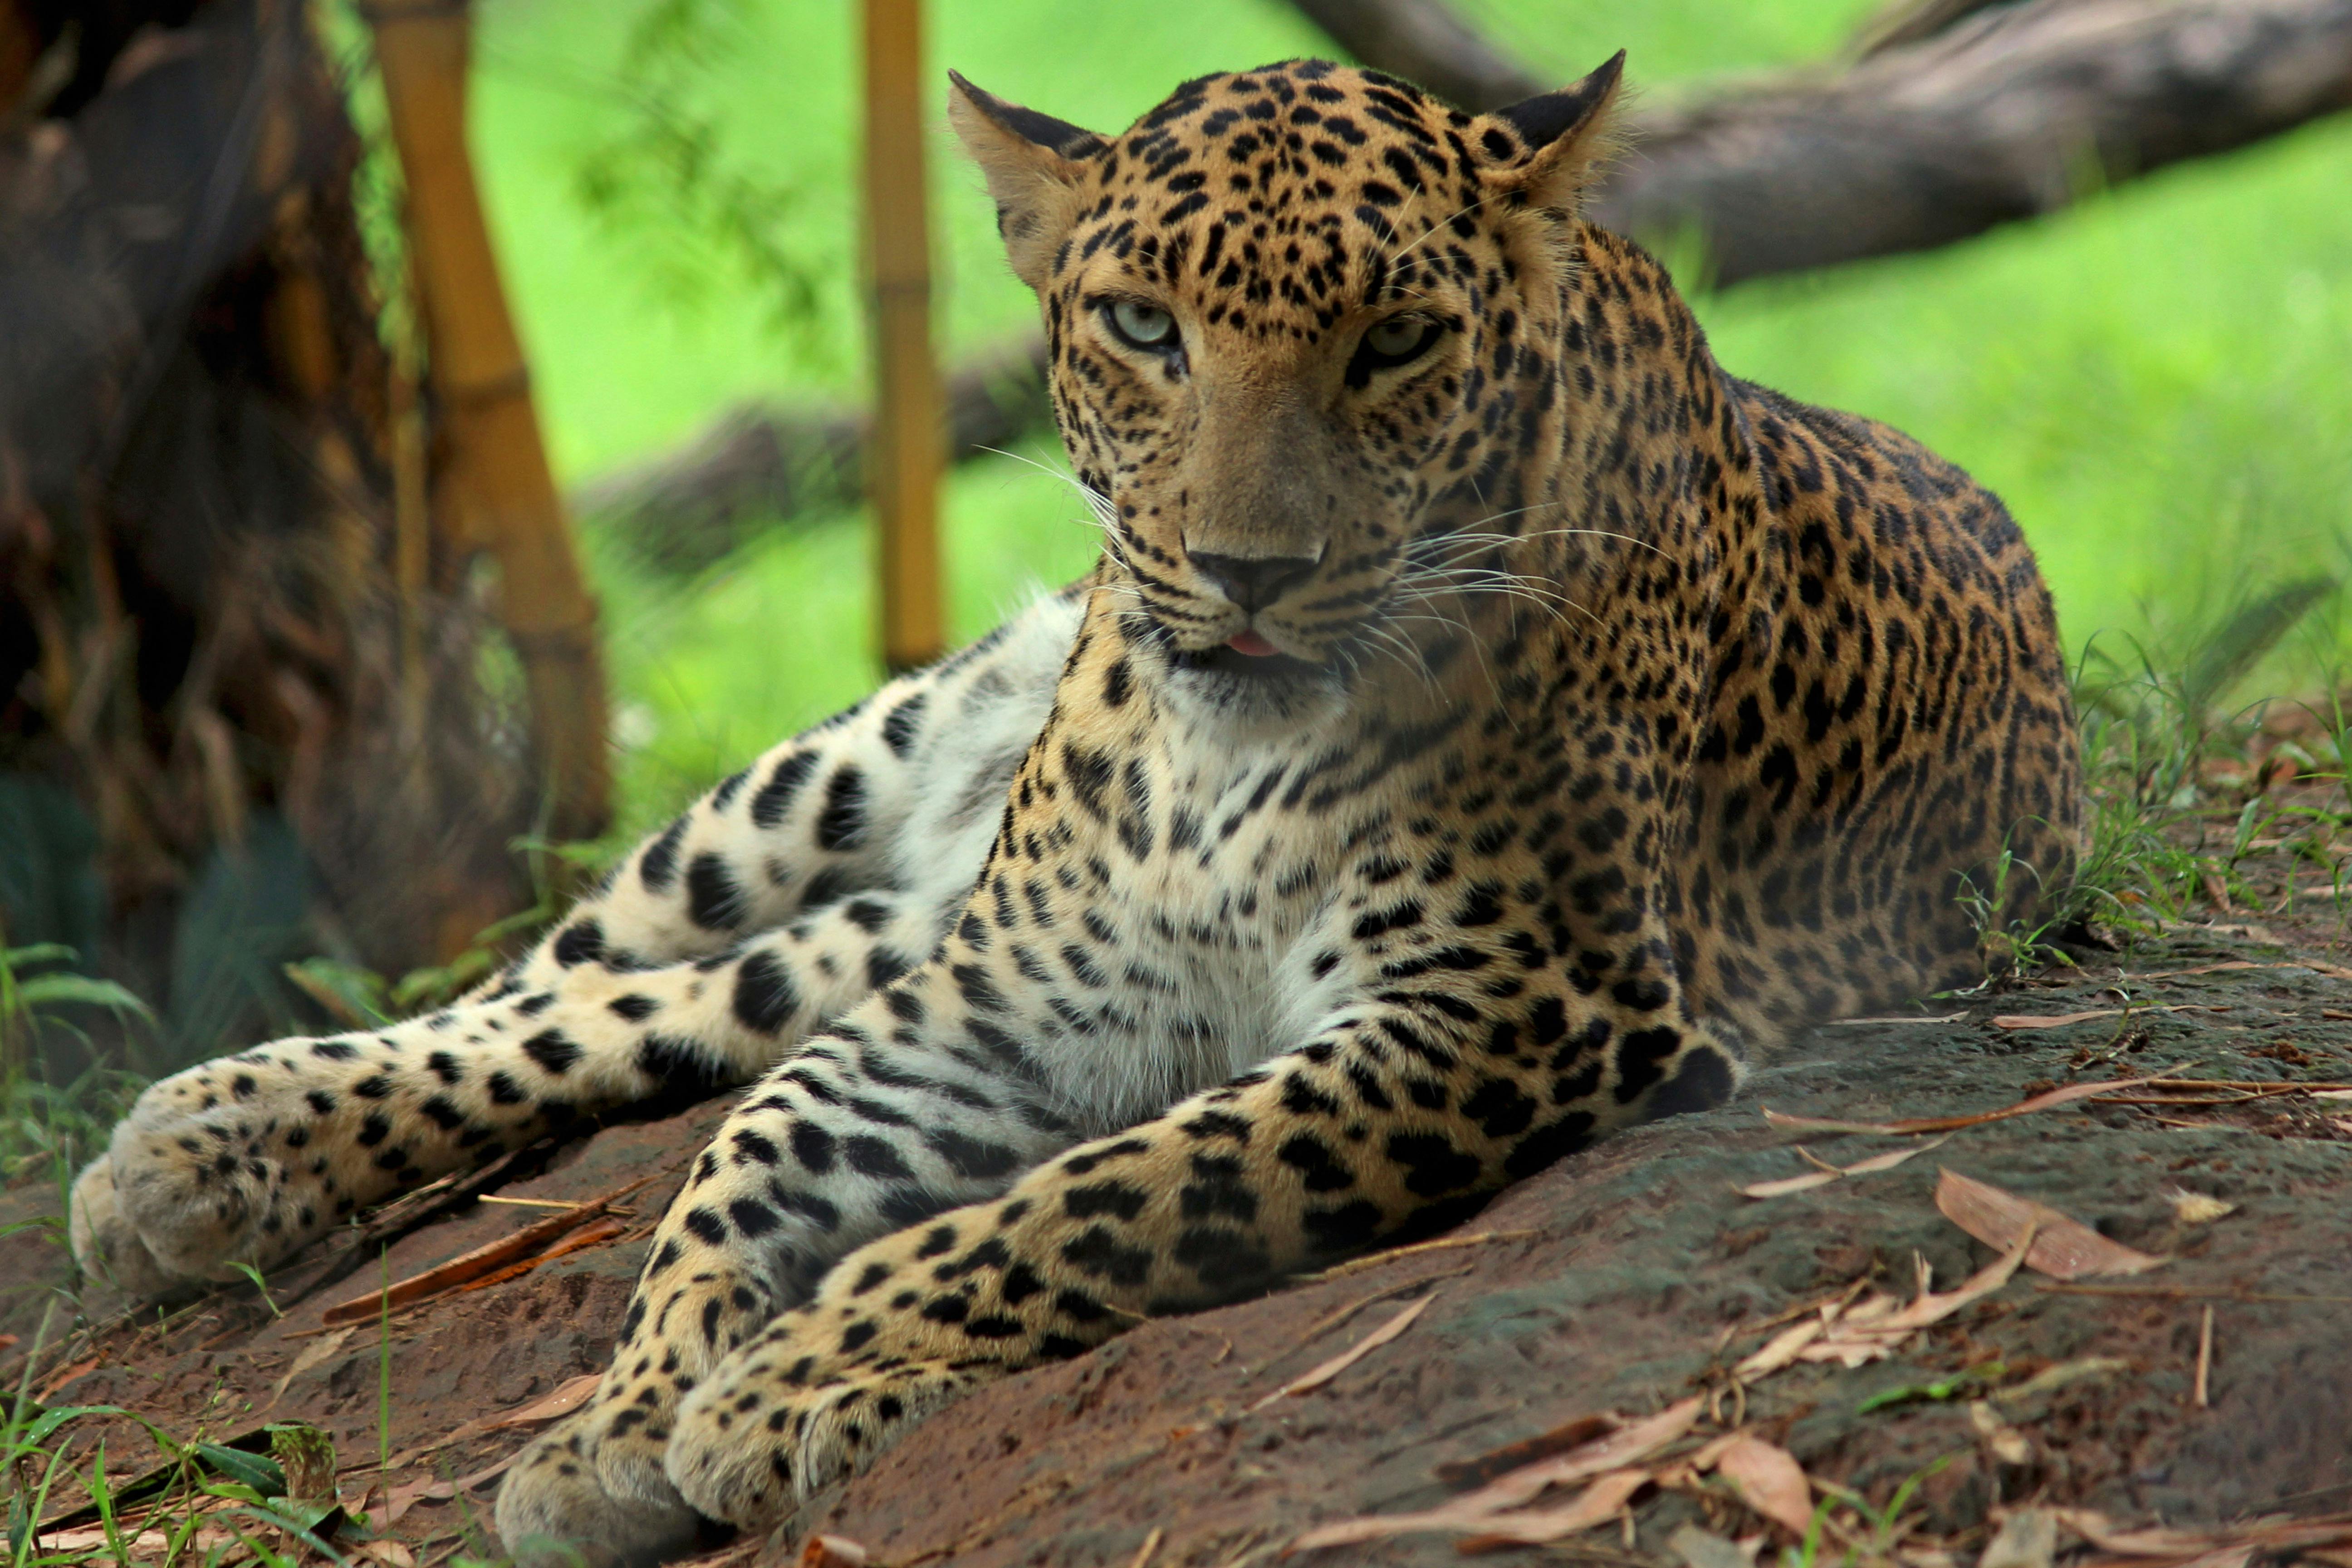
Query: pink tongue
{"x": 1253, "y": 645}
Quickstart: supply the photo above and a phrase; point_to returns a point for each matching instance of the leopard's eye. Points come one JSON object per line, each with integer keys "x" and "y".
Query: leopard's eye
{"x": 1142, "y": 326}
{"x": 1397, "y": 340}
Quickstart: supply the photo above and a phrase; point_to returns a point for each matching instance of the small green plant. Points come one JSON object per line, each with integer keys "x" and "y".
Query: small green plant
{"x": 2006, "y": 943}
{"x": 260, "y": 1285}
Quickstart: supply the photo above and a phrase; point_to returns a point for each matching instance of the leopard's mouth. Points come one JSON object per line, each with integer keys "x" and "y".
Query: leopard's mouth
{"x": 1272, "y": 667}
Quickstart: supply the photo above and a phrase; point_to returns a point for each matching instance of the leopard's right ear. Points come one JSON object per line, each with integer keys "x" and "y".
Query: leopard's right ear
{"x": 1034, "y": 165}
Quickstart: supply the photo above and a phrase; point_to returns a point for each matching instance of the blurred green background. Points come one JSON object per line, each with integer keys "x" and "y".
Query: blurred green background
{"x": 2156, "y": 380}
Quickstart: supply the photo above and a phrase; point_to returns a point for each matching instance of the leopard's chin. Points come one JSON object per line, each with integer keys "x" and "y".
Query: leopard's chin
{"x": 1228, "y": 661}
{"x": 1252, "y": 690}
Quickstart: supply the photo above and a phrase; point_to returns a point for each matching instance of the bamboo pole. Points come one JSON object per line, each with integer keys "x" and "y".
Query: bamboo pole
{"x": 906, "y": 450}
{"x": 500, "y": 494}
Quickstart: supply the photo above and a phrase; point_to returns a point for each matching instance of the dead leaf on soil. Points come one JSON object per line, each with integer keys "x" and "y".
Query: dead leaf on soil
{"x": 2082, "y": 1369}
{"x": 391, "y": 1553}
{"x": 1597, "y": 1504}
{"x": 1442, "y": 1244}
{"x": 836, "y": 1552}
{"x": 531, "y": 1241}
{"x": 1338, "y": 1315}
{"x": 2063, "y": 1248}
{"x": 595, "y": 1233}
{"x": 1307, "y": 1381}
{"x": 1619, "y": 1451}
{"x": 2007, "y": 1444}
{"x": 2027, "y": 1539}
{"x": 2048, "y": 1100}
{"x": 2197, "y": 1209}
{"x": 407, "y": 1495}
{"x": 1770, "y": 1480}
{"x": 315, "y": 1354}
{"x": 93, "y": 1537}
{"x": 2013, "y": 1022}
{"x": 1855, "y": 1332}
{"x": 1828, "y": 1172}
{"x": 1704, "y": 1549}
{"x": 64, "y": 1376}
{"x": 561, "y": 1400}
{"x": 566, "y": 1397}
{"x": 1527, "y": 1451}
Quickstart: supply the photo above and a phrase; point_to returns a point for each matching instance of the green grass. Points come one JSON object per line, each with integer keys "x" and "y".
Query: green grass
{"x": 2154, "y": 380}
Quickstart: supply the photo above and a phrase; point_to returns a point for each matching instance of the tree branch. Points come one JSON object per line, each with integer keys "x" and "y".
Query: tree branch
{"x": 1955, "y": 116}
{"x": 755, "y": 465}
{"x": 2011, "y": 112}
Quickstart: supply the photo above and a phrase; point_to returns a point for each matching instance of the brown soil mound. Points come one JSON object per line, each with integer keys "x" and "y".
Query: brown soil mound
{"x": 1622, "y": 1281}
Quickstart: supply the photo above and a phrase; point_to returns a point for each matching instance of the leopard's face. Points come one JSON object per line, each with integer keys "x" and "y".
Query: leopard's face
{"x": 1304, "y": 320}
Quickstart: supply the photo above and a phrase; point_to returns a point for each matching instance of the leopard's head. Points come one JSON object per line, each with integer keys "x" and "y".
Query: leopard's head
{"x": 1305, "y": 324}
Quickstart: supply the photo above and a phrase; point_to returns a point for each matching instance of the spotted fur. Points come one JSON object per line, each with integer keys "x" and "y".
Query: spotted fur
{"x": 1490, "y": 724}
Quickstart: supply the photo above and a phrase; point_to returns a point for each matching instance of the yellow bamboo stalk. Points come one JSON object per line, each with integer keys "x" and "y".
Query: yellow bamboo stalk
{"x": 904, "y": 455}
{"x": 500, "y": 493}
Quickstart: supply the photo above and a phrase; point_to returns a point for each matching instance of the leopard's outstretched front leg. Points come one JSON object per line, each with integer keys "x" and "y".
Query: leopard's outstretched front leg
{"x": 822, "y": 871}
{"x": 1389, "y": 1120}
{"x": 247, "y": 1158}
{"x": 911, "y": 1105}
{"x": 1392, "y": 1112}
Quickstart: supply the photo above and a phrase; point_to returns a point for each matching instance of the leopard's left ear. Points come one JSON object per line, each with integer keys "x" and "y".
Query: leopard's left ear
{"x": 1544, "y": 150}
{"x": 1034, "y": 164}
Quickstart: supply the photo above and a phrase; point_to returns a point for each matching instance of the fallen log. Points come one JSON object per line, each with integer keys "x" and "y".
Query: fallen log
{"x": 756, "y": 465}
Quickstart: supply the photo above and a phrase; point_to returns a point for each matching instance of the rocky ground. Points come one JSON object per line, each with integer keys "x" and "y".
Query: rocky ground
{"x": 1621, "y": 1282}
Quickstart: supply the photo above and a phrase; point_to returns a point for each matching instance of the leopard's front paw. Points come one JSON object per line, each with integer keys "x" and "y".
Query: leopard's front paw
{"x": 107, "y": 1247}
{"x": 594, "y": 1486}
{"x": 774, "y": 1424}
{"x": 246, "y": 1158}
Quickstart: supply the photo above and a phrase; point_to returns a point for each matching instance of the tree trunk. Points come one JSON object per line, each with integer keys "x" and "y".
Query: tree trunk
{"x": 242, "y": 715}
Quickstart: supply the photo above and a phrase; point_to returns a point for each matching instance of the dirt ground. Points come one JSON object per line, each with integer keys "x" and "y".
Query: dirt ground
{"x": 1623, "y": 1279}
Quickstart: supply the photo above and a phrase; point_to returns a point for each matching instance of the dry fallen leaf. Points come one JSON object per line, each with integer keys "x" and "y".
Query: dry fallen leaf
{"x": 1704, "y": 1549}
{"x": 2047, "y": 1101}
{"x": 2027, "y": 1539}
{"x": 2063, "y": 1248}
{"x": 553, "y": 1405}
{"x": 2007, "y": 1444}
{"x": 2012, "y": 1022}
{"x": 408, "y": 1494}
{"x": 527, "y": 1242}
{"x": 314, "y": 1353}
{"x": 561, "y": 1402}
{"x": 1307, "y": 1381}
{"x": 2197, "y": 1209}
{"x": 1770, "y": 1480}
{"x": 1781, "y": 1350}
{"x": 1597, "y": 1504}
{"x": 2156, "y": 1541}
{"x": 1866, "y": 1329}
{"x": 391, "y": 1553}
{"x": 1473, "y": 1511}
{"x": 1828, "y": 1174}
{"x": 1527, "y": 1451}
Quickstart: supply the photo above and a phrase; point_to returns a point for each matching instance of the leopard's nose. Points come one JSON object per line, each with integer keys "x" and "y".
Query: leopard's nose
{"x": 1253, "y": 582}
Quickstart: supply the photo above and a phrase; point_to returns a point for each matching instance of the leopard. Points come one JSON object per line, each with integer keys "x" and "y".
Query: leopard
{"x": 1488, "y": 724}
